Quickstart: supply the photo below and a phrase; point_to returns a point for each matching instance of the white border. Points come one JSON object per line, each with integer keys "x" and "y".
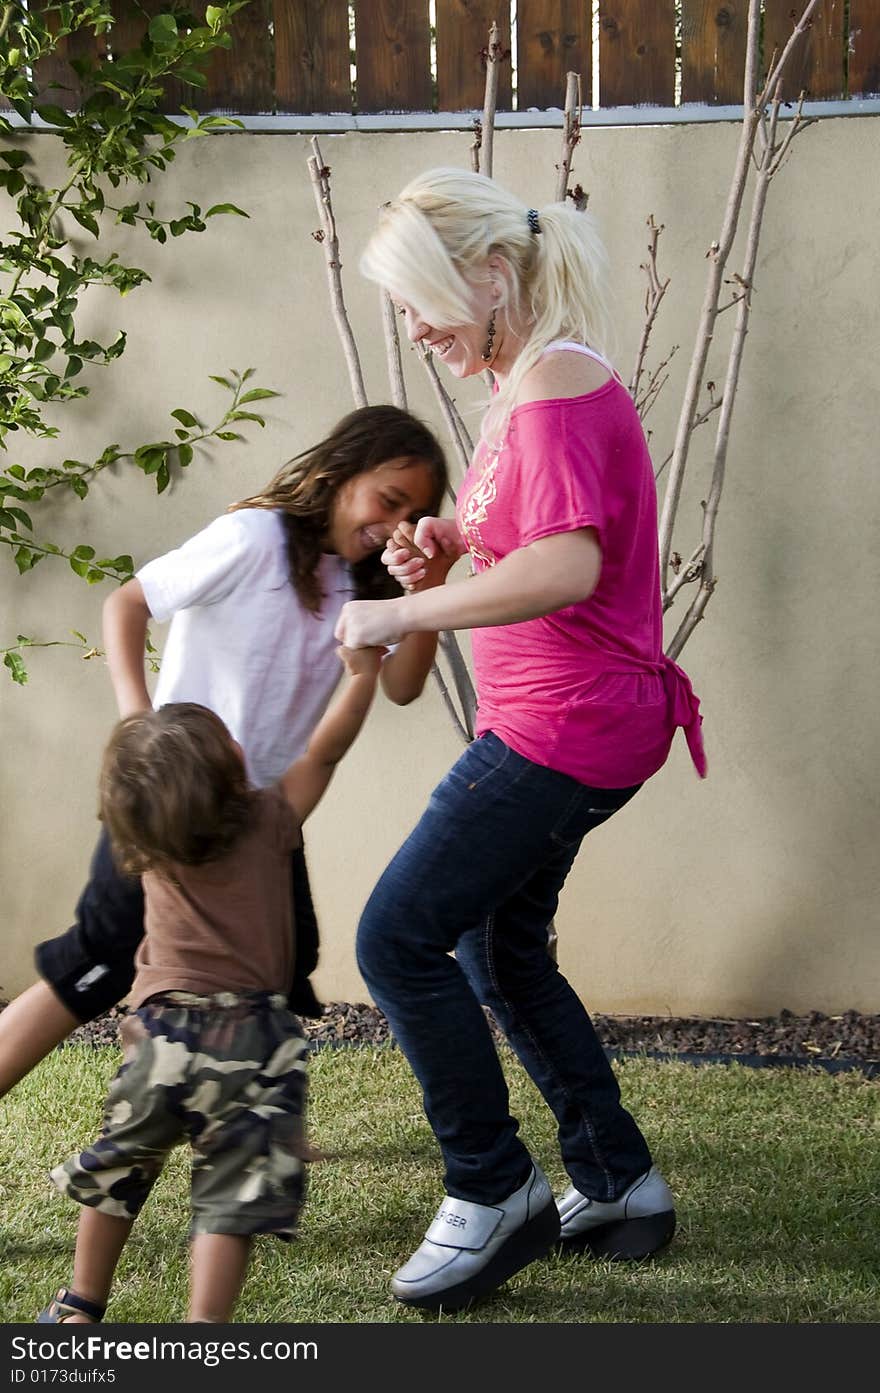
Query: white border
{"x": 504, "y": 120}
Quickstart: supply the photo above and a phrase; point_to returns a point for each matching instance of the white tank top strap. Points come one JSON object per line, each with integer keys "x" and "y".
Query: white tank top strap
{"x": 570, "y": 346}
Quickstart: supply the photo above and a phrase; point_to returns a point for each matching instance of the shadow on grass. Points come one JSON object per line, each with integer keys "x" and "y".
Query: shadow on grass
{"x": 12, "y": 1248}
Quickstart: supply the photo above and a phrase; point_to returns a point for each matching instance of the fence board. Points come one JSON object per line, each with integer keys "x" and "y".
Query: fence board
{"x": 637, "y": 52}
{"x": 554, "y": 37}
{"x": 56, "y": 81}
{"x": 312, "y": 60}
{"x": 817, "y": 64}
{"x": 864, "y": 48}
{"x": 462, "y": 41}
{"x": 713, "y": 51}
{"x": 303, "y": 65}
{"x": 132, "y": 21}
{"x": 239, "y": 79}
{"x": 393, "y": 55}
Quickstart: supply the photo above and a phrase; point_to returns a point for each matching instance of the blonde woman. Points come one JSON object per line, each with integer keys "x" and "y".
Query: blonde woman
{"x": 577, "y": 708}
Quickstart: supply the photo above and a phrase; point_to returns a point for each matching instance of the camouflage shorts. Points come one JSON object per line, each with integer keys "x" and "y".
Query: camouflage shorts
{"x": 226, "y": 1072}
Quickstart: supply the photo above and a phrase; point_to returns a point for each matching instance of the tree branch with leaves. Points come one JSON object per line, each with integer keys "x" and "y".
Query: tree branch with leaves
{"x": 116, "y": 136}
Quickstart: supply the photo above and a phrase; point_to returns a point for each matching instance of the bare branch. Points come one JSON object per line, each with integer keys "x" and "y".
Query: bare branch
{"x": 475, "y": 147}
{"x": 493, "y": 55}
{"x": 464, "y": 687}
{"x": 777, "y": 69}
{"x": 456, "y": 426}
{"x": 653, "y": 392}
{"x": 765, "y": 164}
{"x": 653, "y": 297}
{"x": 691, "y": 619}
{"x": 686, "y": 575}
{"x": 799, "y": 123}
{"x": 708, "y": 579}
{"x": 722, "y": 309}
{"x": 698, "y": 421}
{"x": 449, "y": 703}
{"x": 396, "y": 381}
{"x": 717, "y": 256}
{"x": 571, "y": 132}
{"x": 320, "y": 176}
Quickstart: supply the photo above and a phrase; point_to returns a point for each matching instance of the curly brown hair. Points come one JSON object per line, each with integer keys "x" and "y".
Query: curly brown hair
{"x": 305, "y": 489}
{"x": 173, "y": 789}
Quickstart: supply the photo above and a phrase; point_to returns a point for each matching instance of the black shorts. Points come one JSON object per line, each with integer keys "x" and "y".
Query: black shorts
{"x": 91, "y": 966}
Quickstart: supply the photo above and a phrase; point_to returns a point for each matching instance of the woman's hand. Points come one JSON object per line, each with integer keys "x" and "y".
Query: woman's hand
{"x": 370, "y": 623}
{"x": 421, "y": 556}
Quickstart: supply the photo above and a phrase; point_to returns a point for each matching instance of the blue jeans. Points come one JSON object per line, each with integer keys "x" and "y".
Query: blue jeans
{"x": 481, "y": 875}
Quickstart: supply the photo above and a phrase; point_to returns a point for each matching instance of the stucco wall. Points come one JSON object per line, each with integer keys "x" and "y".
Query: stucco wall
{"x": 752, "y": 891}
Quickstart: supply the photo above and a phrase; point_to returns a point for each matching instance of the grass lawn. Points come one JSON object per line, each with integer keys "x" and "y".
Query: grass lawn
{"x": 776, "y": 1172}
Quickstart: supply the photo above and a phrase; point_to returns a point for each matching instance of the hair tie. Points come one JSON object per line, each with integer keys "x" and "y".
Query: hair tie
{"x": 534, "y": 224}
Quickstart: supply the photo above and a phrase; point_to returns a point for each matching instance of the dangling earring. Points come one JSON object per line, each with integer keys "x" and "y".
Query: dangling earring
{"x": 490, "y": 338}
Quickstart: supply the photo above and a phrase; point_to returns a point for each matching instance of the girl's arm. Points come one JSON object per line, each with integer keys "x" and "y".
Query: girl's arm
{"x": 125, "y": 619}
{"x": 307, "y": 779}
{"x": 539, "y": 579}
{"x": 404, "y": 672}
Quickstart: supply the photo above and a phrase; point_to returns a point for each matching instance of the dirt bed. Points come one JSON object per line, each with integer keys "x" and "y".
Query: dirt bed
{"x": 849, "y": 1036}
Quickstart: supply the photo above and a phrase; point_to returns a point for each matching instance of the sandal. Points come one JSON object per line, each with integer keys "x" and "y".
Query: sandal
{"x": 66, "y": 1303}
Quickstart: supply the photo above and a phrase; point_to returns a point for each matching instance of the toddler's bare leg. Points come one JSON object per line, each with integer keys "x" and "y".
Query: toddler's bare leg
{"x": 218, "y": 1265}
{"x": 100, "y": 1240}
{"x": 30, "y": 1026}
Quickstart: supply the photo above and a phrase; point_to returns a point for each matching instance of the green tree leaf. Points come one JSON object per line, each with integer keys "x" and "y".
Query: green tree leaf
{"x": 163, "y": 30}
{"x": 54, "y": 115}
{"x": 258, "y": 394}
{"x": 17, "y": 670}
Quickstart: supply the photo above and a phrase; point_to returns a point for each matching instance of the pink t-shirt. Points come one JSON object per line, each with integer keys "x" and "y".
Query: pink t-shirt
{"x": 586, "y": 690}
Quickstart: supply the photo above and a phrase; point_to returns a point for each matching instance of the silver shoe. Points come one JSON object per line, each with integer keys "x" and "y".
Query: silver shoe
{"x": 638, "y": 1224}
{"x": 470, "y": 1249}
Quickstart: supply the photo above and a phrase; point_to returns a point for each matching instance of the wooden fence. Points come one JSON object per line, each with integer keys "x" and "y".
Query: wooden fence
{"x": 302, "y": 56}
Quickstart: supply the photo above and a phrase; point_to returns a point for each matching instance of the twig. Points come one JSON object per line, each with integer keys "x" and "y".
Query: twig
{"x": 717, "y": 255}
{"x": 801, "y": 27}
{"x": 450, "y": 704}
{"x": 655, "y": 384}
{"x": 798, "y": 123}
{"x": 490, "y": 100}
{"x": 571, "y": 132}
{"x": 653, "y": 392}
{"x": 457, "y": 429}
{"x": 653, "y": 298}
{"x": 475, "y": 147}
{"x": 731, "y": 304}
{"x": 320, "y": 176}
{"x": 698, "y": 421}
{"x": 686, "y": 576}
{"x": 768, "y": 167}
{"x": 461, "y": 678}
{"x": 396, "y": 381}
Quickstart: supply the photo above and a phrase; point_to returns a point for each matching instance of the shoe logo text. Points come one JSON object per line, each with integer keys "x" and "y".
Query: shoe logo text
{"x": 449, "y": 1217}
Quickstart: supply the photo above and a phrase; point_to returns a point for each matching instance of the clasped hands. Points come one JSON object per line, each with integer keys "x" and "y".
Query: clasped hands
{"x": 419, "y": 557}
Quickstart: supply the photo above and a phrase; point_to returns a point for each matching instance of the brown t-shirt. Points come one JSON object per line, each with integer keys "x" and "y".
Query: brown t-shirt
{"x": 226, "y": 925}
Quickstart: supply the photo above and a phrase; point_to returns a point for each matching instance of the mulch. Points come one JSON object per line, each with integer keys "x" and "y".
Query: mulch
{"x": 850, "y": 1038}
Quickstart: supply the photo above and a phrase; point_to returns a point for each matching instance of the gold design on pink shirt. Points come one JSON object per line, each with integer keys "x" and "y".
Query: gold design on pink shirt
{"x": 474, "y": 507}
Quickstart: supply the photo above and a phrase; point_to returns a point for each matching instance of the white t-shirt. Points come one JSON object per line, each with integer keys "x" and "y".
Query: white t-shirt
{"x": 241, "y": 642}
